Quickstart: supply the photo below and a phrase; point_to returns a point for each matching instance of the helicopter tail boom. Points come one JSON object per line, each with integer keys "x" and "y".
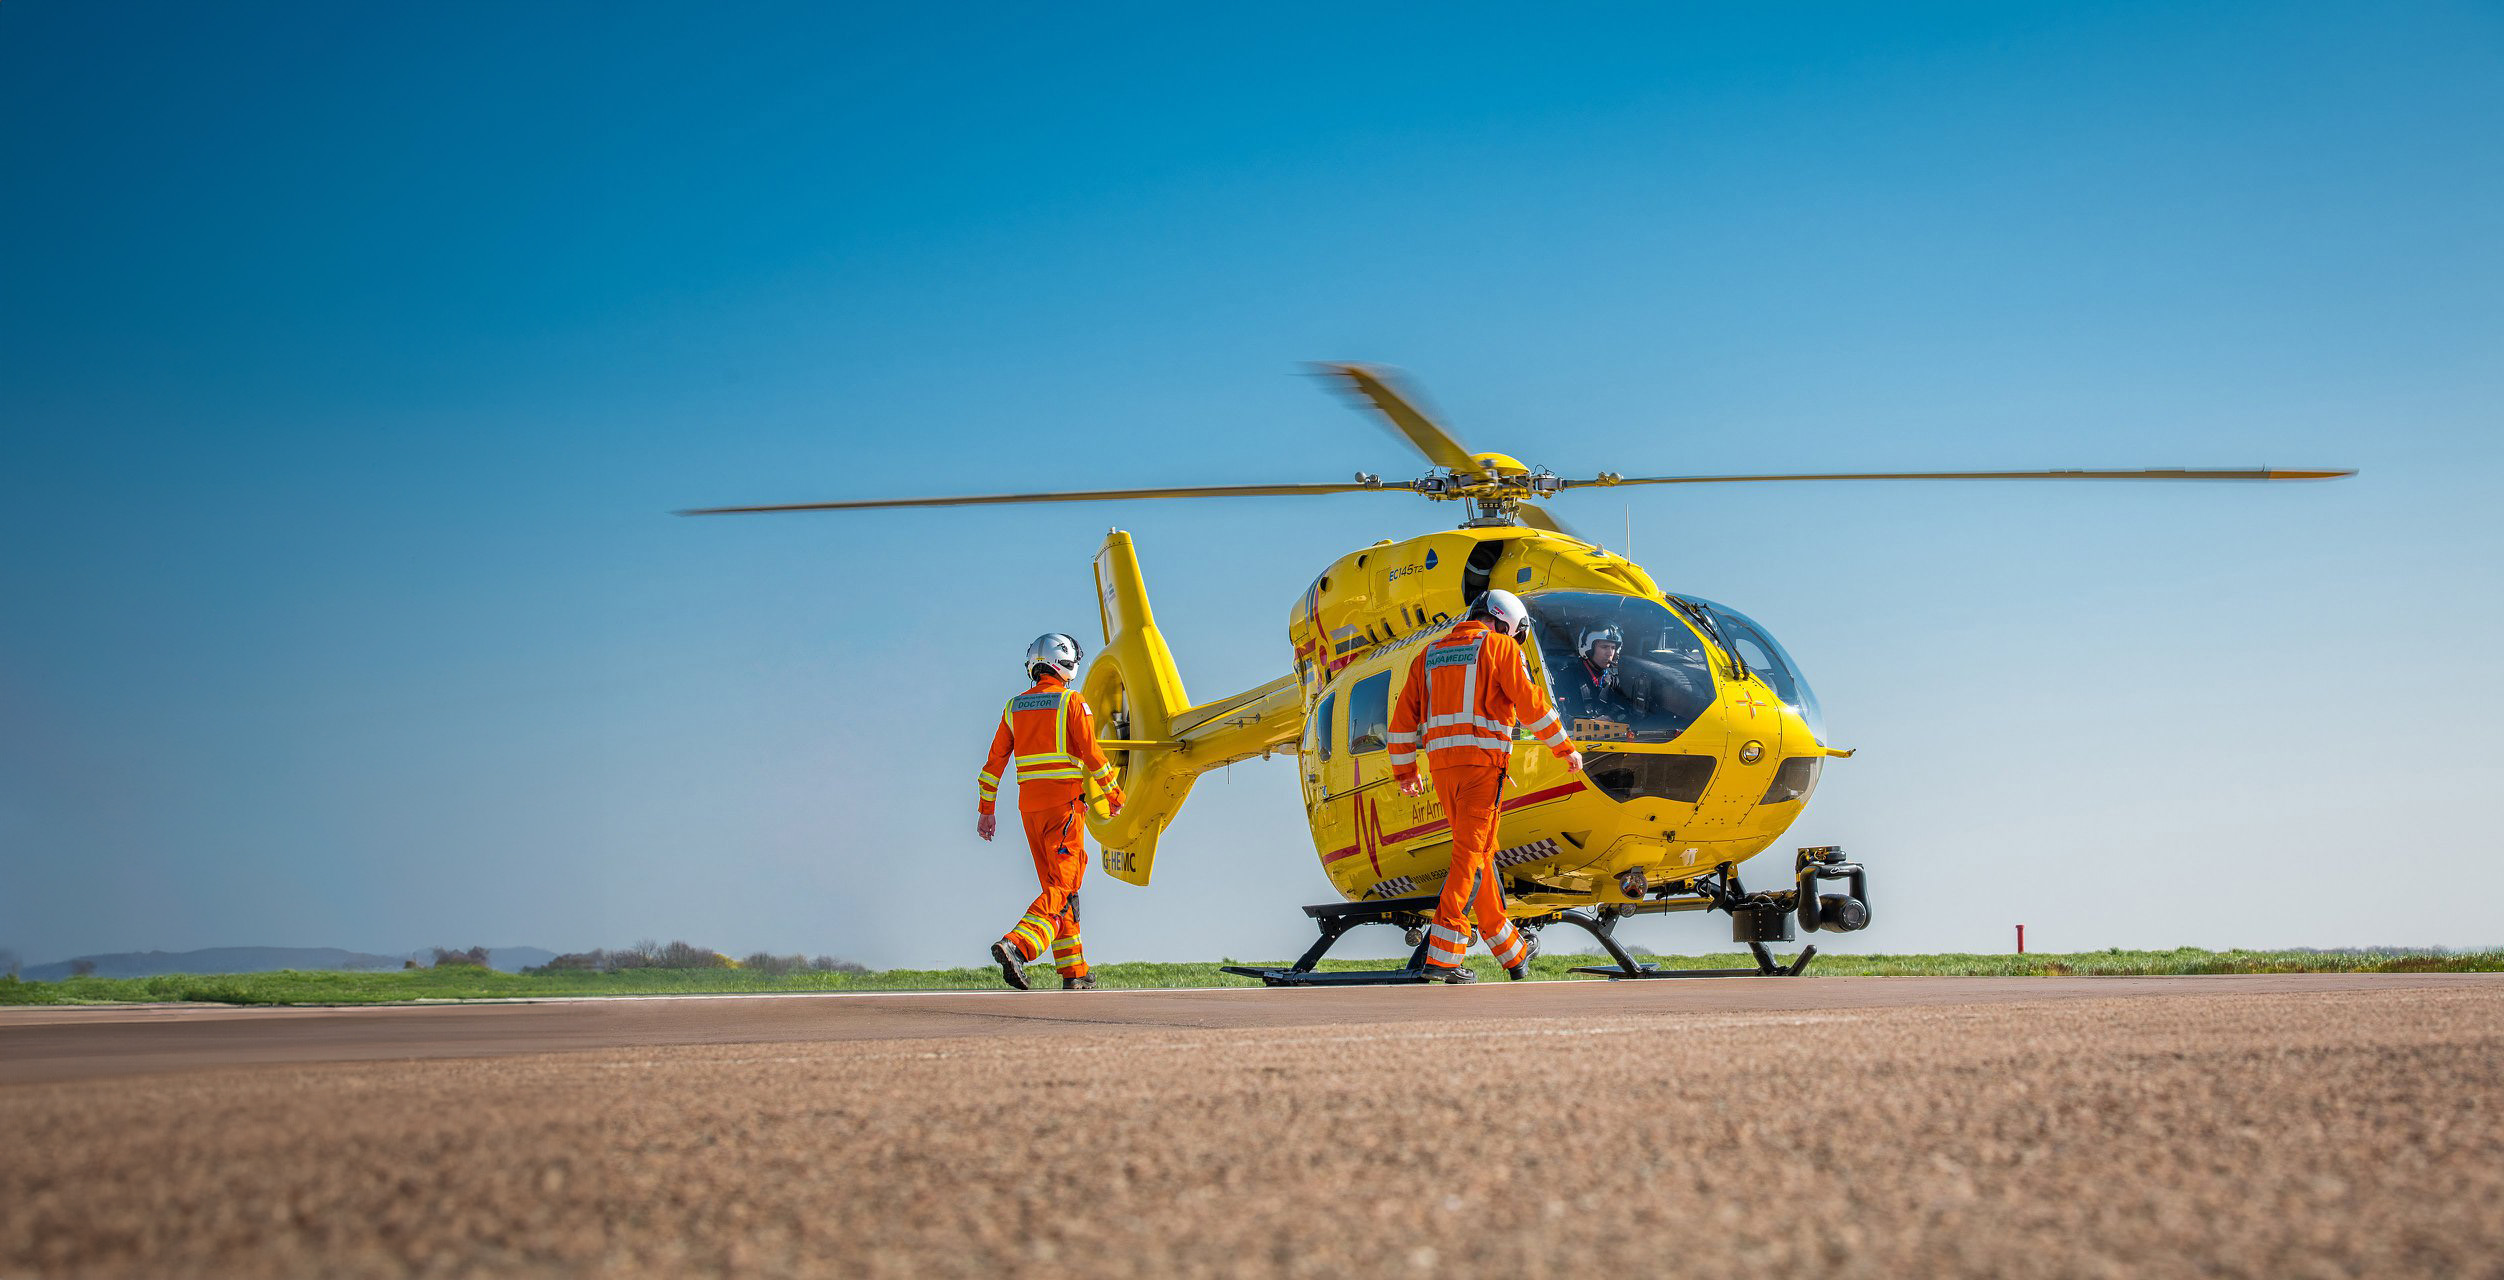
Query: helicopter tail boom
{"x": 1158, "y": 741}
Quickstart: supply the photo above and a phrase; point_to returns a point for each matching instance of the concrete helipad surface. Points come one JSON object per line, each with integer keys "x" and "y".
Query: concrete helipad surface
{"x": 2316, "y": 1125}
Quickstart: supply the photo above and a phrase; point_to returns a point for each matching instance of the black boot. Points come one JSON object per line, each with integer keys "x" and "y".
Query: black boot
{"x": 1012, "y": 970}
{"x": 1530, "y": 952}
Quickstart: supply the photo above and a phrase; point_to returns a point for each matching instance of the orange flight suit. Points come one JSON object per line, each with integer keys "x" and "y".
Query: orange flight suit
{"x": 1464, "y": 694}
{"x": 1049, "y": 733}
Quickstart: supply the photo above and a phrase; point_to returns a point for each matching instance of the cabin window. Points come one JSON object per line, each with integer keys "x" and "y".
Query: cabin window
{"x": 1621, "y": 668}
{"x": 1757, "y": 648}
{"x": 1319, "y": 730}
{"x": 1369, "y": 714}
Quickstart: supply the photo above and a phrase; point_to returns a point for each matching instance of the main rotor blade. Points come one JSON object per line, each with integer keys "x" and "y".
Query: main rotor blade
{"x": 1427, "y": 435}
{"x": 1538, "y": 517}
{"x": 1082, "y": 495}
{"x": 2150, "y": 473}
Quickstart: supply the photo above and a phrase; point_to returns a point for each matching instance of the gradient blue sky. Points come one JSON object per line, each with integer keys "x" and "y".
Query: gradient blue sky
{"x": 352, "y": 357}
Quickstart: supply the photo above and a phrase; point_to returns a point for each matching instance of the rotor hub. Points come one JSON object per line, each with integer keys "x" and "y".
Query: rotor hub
{"x": 1495, "y": 495}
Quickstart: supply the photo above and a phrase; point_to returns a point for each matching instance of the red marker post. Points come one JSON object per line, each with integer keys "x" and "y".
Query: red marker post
{"x": 2021, "y": 939}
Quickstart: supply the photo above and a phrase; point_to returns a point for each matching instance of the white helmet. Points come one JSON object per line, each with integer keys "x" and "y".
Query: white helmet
{"x": 1601, "y": 635}
{"x": 1504, "y": 609}
{"x": 1057, "y": 651}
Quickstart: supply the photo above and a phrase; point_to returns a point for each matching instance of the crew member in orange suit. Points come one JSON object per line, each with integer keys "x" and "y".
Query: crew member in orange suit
{"x": 1048, "y": 731}
{"x": 1465, "y": 692}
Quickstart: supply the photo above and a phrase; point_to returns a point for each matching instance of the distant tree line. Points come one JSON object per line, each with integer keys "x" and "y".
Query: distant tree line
{"x": 779, "y": 966}
{"x": 649, "y": 954}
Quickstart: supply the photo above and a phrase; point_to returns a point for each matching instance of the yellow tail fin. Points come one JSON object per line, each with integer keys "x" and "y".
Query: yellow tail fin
{"x": 1158, "y": 742}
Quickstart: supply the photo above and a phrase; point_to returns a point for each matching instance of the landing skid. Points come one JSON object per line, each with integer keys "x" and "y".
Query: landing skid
{"x": 1626, "y": 967}
{"x": 1336, "y": 919}
{"x": 1755, "y": 919}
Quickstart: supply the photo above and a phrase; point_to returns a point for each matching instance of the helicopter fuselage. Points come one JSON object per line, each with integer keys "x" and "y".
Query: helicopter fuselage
{"x": 1701, "y": 745}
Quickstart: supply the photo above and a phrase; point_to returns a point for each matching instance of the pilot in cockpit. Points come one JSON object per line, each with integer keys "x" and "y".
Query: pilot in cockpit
{"x": 1591, "y": 685}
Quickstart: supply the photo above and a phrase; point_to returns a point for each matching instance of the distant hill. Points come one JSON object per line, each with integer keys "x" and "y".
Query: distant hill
{"x": 144, "y": 964}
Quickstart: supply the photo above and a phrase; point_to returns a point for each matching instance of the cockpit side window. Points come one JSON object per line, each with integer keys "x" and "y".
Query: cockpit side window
{"x": 1763, "y": 655}
{"x": 1369, "y": 714}
{"x": 1318, "y": 732}
{"x": 1620, "y": 667}
{"x": 1751, "y": 651}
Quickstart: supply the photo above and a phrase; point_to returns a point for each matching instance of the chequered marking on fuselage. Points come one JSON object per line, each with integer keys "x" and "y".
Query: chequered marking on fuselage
{"x": 1522, "y": 853}
{"x": 1401, "y": 886}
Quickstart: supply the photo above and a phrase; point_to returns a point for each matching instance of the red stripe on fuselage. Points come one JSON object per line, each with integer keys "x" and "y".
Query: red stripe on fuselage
{"x": 1535, "y": 797}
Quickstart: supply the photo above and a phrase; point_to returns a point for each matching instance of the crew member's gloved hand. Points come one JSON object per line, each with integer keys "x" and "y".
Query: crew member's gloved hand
{"x": 1413, "y": 787}
{"x": 1573, "y": 762}
{"x": 1113, "y": 801}
{"x": 985, "y": 825}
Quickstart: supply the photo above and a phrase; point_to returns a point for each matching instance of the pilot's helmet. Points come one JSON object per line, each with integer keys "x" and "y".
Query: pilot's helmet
{"x": 1597, "y": 635}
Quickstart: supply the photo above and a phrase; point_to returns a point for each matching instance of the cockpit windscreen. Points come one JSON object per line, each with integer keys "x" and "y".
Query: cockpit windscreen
{"x": 1621, "y": 668}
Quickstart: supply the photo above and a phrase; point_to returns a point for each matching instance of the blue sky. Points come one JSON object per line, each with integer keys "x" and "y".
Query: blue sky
{"x": 352, "y": 358}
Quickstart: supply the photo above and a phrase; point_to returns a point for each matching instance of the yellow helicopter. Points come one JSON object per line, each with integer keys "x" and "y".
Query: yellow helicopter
{"x": 1702, "y": 739}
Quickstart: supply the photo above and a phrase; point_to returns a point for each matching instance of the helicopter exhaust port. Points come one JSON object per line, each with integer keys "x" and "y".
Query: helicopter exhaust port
{"x": 1845, "y": 912}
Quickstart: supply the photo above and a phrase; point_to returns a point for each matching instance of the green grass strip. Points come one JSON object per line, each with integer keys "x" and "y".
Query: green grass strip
{"x": 464, "y": 983}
